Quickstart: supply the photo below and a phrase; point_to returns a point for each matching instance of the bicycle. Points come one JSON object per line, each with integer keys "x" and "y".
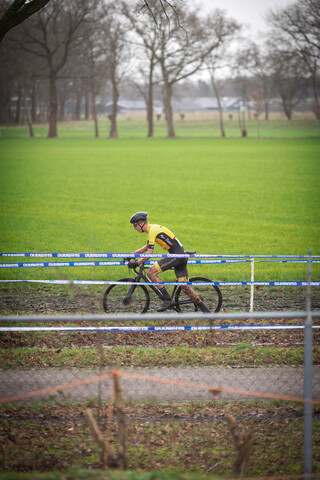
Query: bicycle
{"x": 135, "y": 298}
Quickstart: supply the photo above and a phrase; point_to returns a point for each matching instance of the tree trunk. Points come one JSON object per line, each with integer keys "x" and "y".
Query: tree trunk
{"x": 150, "y": 107}
{"x": 287, "y": 108}
{"x": 53, "y": 111}
{"x": 115, "y": 96}
{"x": 266, "y": 110}
{"x": 316, "y": 106}
{"x": 4, "y": 103}
{"x": 33, "y": 104}
{"x": 77, "y": 113}
{"x": 217, "y": 94}
{"x": 242, "y": 120}
{"x": 18, "y": 108}
{"x": 62, "y": 108}
{"x": 167, "y": 106}
{"x": 63, "y": 95}
{"x": 86, "y": 106}
{"x": 94, "y": 115}
{"x": 29, "y": 120}
{"x": 150, "y": 99}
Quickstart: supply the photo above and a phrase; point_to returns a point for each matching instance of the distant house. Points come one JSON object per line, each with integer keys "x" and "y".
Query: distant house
{"x": 199, "y": 104}
{"x": 211, "y": 103}
{"x": 207, "y": 103}
{"x": 137, "y": 106}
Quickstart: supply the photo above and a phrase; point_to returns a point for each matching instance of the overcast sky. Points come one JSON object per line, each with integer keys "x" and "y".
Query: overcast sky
{"x": 245, "y": 11}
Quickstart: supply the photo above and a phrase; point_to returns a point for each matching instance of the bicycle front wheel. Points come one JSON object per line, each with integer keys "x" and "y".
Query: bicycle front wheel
{"x": 210, "y": 295}
{"x": 126, "y": 298}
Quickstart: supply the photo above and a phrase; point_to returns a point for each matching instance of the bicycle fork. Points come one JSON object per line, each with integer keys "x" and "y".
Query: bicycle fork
{"x": 127, "y": 298}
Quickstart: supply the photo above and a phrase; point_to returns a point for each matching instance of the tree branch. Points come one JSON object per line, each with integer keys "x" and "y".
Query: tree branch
{"x": 19, "y": 11}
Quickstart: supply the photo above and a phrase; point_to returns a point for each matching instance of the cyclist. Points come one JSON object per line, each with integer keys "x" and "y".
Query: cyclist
{"x": 168, "y": 241}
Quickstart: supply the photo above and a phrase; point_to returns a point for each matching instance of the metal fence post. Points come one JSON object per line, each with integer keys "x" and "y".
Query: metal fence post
{"x": 307, "y": 452}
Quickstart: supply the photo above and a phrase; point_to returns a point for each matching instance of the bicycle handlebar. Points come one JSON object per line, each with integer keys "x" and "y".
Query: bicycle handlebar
{"x": 141, "y": 266}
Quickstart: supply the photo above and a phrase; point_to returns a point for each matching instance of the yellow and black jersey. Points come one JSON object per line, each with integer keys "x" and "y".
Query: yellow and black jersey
{"x": 164, "y": 237}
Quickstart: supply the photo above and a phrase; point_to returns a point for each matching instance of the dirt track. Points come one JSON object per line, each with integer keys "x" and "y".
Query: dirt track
{"x": 275, "y": 380}
{"x": 81, "y": 299}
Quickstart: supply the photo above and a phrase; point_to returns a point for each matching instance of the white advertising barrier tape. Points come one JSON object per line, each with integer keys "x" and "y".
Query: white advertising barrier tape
{"x": 119, "y": 263}
{"x": 112, "y": 282}
{"x": 147, "y": 255}
{"x": 105, "y": 264}
{"x": 153, "y": 329}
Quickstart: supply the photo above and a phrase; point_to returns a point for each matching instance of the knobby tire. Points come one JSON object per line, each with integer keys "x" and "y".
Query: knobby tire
{"x": 210, "y": 294}
{"x": 115, "y": 298}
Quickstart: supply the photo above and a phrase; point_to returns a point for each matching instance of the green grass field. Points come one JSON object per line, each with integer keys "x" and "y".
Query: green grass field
{"x": 221, "y": 196}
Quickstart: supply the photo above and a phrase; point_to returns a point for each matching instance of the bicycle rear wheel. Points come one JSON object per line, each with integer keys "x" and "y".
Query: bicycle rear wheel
{"x": 124, "y": 299}
{"x": 210, "y": 295}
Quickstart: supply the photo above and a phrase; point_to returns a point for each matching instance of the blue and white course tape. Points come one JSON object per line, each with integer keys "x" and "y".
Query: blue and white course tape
{"x": 153, "y": 329}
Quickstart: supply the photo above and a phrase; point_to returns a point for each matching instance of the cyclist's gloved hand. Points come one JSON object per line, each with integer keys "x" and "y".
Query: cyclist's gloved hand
{"x": 133, "y": 264}
{"x": 126, "y": 259}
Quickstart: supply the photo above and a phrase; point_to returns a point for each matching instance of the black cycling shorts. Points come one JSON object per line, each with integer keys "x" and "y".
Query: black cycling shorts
{"x": 178, "y": 264}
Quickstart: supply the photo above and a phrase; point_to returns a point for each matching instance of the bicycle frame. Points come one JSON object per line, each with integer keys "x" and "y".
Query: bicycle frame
{"x": 141, "y": 276}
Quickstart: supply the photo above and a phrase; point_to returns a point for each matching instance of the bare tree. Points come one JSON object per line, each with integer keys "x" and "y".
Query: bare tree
{"x": 287, "y": 74}
{"x": 117, "y": 56}
{"x": 17, "y": 86}
{"x": 241, "y": 86}
{"x": 50, "y": 35}
{"x": 95, "y": 74}
{"x": 152, "y": 6}
{"x": 258, "y": 63}
{"x": 144, "y": 85}
{"x": 225, "y": 29}
{"x": 178, "y": 55}
{"x": 15, "y": 12}
{"x": 92, "y": 59}
{"x": 147, "y": 43}
{"x": 298, "y": 25}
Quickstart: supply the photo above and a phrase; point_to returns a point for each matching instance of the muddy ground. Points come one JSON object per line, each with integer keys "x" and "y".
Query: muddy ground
{"x": 50, "y": 299}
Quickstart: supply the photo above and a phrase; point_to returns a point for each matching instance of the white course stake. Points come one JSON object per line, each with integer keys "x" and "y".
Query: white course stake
{"x": 252, "y": 286}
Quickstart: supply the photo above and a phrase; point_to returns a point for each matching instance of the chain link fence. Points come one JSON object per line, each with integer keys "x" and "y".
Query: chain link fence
{"x": 184, "y": 407}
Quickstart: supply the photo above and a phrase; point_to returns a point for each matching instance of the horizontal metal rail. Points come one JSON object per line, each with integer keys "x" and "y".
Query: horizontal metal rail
{"x": 156, "y": 316}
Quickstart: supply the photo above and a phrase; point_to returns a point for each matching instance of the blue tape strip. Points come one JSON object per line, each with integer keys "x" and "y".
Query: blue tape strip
{"x": 112, "y": 282}
{"x": 60, "y": 264}
{"x": 144, "y": 255}
{"x": 102, "y": 263}
{"x": 153, "y": 329}
{"x": 287, "y": 261}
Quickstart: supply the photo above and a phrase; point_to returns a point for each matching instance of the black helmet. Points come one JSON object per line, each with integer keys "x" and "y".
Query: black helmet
{"x": 139, "y": 216}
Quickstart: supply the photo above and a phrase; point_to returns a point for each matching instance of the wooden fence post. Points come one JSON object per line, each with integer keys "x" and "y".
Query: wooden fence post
{"x": 107, "y": 459}
{"x": 243, "y": 441}
{"x": 122, "y": 422}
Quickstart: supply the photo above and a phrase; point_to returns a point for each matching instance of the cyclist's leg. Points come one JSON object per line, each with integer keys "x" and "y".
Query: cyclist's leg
{"x": 153, "y": 274}
{"x": 182, "y": 276}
